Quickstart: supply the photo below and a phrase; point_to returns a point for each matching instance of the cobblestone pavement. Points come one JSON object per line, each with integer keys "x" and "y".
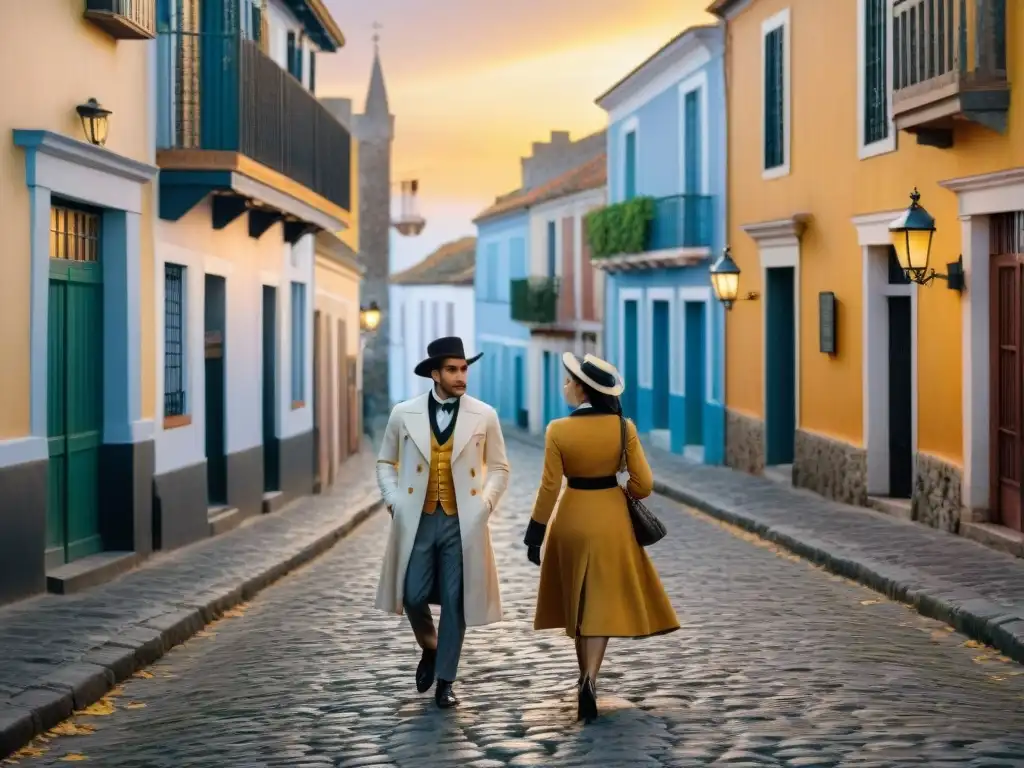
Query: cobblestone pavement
{"x": 778, "y": 663}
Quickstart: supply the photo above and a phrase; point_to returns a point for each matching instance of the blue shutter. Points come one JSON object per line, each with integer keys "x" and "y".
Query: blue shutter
{"x": 630, "y": 164}
{"x": 876, "y": 86}
{"x": 774, "y": 97}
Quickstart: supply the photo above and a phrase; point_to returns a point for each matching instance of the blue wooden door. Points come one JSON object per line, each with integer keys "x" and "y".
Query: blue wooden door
{"x": 630, "y": 361}
{"x": 660, "y": 363}
{"x": 696, "y": 372}
{"x": 780, "y": 354}
{"x": 630, "y": 166}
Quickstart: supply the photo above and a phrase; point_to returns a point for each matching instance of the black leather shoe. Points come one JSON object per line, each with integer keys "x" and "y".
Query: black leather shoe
{"x": 425, "y": 670}
{"x": 445, "y": 696}
{"x": 587, "y": 706}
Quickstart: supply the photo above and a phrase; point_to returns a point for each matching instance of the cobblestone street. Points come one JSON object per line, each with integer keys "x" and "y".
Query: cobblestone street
{"x": 778, "y": 663}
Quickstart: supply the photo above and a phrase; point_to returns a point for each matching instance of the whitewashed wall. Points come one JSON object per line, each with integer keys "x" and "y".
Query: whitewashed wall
{"x": 246, "y": 265}
{"x": 419, "y": 314}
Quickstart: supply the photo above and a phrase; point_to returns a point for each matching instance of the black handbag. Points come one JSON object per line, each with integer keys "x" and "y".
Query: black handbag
{"x": 647, "y": 528}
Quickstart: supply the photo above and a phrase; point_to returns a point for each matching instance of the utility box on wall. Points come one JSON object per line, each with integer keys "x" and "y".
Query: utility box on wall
{"x": 827, "y": 322}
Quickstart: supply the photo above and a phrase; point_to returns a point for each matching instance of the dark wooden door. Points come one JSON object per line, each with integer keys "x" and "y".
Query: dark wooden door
{"x": 271, "y": 461}
{"x": 216, "y": 440}
{"x": 1007, "y": 372}
{"x": 901, "y": 442}
{"x": 696, "y": 376}
{"x": 780, "y": 353}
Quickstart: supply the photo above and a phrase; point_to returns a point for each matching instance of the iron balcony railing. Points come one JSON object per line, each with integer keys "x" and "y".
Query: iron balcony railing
{"x": 680, "y": 221}
{"x": 534, "y": 300}
{"x": 942, "y": 46}
{"x": 124, "y": 19}
{"x": 225, "y": 94}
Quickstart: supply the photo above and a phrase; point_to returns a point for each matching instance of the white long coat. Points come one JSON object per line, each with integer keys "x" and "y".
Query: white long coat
{"x": 480, "y": 472}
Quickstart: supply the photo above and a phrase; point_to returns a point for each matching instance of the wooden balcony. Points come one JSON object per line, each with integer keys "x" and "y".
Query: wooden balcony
{"x": 949, "y": 65}
{"x": 227, "y": 107}
{"x": 123, "y": 19}
{"x": 534, "y": 300}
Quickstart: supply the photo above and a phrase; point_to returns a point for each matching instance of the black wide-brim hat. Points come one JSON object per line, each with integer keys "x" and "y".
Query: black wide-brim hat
{"x": 445, "y": 348}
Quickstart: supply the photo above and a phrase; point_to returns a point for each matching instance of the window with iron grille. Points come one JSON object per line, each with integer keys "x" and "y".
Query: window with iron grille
{"x": 774, "y": 98}
{"x": 174, "y": 340}
{"x": 74, "y": 234}
{"x": 876, "y": 77}
{"x": 298, "y": 342}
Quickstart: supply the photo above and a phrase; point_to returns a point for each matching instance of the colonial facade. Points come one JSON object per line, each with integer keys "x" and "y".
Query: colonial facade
{"x": 560, "y": 300}
{"x": 504, "y": 258}
{"x": 430, "y": 299}
{"x": 337, "y": 358}
{"x": 252, "y": 166}
{"x": 77, "y": 301}
{"x": 665, "y": 225}
{"x": 844, "y": 375}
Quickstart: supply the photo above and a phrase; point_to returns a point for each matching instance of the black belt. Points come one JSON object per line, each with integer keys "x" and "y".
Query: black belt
{"x": 593, "y": 483}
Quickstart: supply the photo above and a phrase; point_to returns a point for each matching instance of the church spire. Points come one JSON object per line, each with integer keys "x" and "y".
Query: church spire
{"x": 377, "y": 95}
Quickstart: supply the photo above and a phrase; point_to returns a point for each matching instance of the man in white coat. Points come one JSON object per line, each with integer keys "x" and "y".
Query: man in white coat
{"x": 442, "y": 469}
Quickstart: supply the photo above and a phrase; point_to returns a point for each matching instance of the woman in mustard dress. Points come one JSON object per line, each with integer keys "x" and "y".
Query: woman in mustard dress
{"x": 596, "y": 582}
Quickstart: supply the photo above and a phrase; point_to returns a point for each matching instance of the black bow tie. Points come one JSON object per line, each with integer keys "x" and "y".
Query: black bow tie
{"x": 447, "y": 407}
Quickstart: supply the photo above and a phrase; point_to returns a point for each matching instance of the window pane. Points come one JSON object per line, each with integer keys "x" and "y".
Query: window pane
{"x": 174, "y": 340}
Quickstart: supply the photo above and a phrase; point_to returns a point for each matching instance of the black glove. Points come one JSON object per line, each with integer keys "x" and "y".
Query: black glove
{"x": 533, "y": 554}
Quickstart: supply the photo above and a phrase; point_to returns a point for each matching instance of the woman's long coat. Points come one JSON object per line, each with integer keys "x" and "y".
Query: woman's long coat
{"x": 480, "y": 471}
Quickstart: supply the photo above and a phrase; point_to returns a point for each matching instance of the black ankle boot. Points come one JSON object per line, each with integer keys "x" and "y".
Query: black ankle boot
{"x": 425, "y": 670}
{"x": 444, "y": 695}
{"x": 587, "y": 706}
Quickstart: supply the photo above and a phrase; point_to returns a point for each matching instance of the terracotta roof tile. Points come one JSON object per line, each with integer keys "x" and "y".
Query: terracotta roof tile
{"x": 451, "y": 264}
{"x": 589, "y": 175}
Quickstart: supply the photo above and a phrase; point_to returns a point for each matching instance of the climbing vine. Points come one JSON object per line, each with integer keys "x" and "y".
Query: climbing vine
{"x": 620, "y": 228}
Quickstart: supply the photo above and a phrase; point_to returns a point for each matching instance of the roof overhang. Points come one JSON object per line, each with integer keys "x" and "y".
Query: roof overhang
{"x": 687, "y": 46}
{"x": 727, "y": 9}
{"x": 318, "y": 23}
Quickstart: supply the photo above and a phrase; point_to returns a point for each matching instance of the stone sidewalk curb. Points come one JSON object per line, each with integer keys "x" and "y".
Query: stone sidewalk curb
{"x": 77, "y": 685}
{"x": 964, "y": 610}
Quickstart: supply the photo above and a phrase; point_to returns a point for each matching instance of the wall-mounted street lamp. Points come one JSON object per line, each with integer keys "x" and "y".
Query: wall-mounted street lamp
{"x": 369, "y": 317}
{"x": 725, "y": 280}
{"x": 409, "y": 222}
{"x": 94, "y": 121}
{"x": 912, "y": 235}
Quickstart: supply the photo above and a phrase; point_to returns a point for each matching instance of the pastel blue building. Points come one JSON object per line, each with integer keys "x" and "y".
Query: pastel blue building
{"x": 502, "y": 256}
{"x": 663, "y": 327}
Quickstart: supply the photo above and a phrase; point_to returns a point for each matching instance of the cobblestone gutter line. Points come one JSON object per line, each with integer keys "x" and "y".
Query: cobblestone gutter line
{"x": 958, "y": 605}
{"x": 968, "y": 612}
{"x": 76, "y": 685}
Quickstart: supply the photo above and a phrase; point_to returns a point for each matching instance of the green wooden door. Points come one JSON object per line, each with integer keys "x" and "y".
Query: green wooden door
{"x": 74, "y": 409}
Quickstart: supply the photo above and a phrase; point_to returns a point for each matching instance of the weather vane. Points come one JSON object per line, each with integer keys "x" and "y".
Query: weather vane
{"x": 377, "y": 27}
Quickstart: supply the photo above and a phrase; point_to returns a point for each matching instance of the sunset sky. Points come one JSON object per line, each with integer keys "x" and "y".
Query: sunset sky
{"x": 473, "y": 82}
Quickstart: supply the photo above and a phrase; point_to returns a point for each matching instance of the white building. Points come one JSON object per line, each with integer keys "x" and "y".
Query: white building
{"x": 431, "y": 299}
{"x": 241, "y": 196}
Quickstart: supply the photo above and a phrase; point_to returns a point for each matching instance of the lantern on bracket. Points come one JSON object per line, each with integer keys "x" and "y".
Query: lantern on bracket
{"x": 725, "y": 280}
{"x": 912, "y": 235}
{"x": 94, "y": 121}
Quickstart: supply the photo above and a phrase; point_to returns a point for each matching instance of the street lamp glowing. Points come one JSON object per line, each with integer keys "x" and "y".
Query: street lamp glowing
{"x": 369, "y": 317}
{"x": 725, "y": 279}
{"x": 911, "y": 236}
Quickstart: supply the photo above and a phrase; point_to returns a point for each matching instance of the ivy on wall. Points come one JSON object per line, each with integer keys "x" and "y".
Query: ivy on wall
{"x": 620, "y": 228}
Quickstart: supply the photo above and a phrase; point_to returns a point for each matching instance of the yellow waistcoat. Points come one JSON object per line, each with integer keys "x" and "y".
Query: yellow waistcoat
{"x": 441, "y": 486}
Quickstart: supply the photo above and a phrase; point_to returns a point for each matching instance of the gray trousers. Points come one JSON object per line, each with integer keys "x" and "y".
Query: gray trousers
{"x": 434, "y": 575}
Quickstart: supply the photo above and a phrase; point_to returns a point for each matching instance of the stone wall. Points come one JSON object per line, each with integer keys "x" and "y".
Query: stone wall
{"x": 549, "y": 159}
{"x": 936, "y": 499}
{"x": 744, "y": 442}
{"x": 835, "y": 469}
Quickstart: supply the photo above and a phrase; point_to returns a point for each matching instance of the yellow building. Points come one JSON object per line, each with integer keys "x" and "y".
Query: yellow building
{"x": 76, "y": 301}
{"x": 829, "y": 133}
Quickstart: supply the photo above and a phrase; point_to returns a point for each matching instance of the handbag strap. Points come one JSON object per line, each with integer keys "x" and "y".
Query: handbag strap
{"x": 622, "y": 439}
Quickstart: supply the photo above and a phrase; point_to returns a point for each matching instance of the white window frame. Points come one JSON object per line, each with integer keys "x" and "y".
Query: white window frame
{"x": 632, "y": 125}
{"x": 698, "y": 82}
{"x": 888, "y": 144}
{"x": 780, "y": 19}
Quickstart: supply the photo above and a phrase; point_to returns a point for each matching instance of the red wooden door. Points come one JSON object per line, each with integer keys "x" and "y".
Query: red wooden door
{"x": 1007, "y": 368}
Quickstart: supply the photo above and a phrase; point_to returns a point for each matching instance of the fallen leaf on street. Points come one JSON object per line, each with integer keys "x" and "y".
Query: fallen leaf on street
{"x": 143, "y": 674}
{"x": 204, "y": 633}
{"x": 973, "y": 644}
{"x": 71, "y": 728}
{"x": 117, "y": 690}
{"x": 237, "y": 612}
{"x": 29, "y": 751}
{"x": 73, "y": 757}
{"x": 135, "y": 705}
{"x": 869, "y": 602}
{"x": 981, "y": 658}
{"x": 101, "y": 708}
{"x": 997, "y": 678}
